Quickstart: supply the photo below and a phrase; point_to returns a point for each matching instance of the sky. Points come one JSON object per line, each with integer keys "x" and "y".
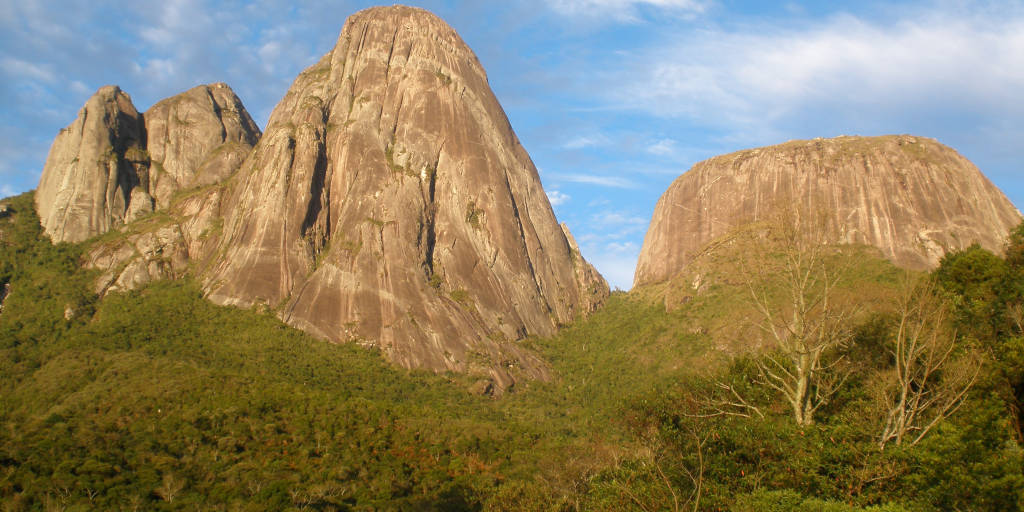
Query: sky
{"x": 613, "y": 99}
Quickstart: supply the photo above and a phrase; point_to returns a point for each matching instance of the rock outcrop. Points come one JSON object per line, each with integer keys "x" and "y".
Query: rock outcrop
{"x": 390, "y": 203}
{"x": 196, "y": 138}
{"x": 92, "y": 169}
{"x": 911, "y": 197}
{"x": 114, "y": 165}
{"x": 195, "y": 141}
{"x": 180, "y": 239}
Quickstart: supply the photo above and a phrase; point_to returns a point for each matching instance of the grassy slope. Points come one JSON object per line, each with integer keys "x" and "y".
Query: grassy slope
{"x": 161, "y": 400}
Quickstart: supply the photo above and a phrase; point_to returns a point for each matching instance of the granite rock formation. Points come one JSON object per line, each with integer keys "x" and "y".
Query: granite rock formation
{"x": 199, "y": 137}
{"x": 195, "y": 141}
{"x": 911, "y": 197}
{"x": 93, "y": 169}
{"x": 390, "y": 203}
{"x": 114, "y": 165}
{"x": 182, "y": 238}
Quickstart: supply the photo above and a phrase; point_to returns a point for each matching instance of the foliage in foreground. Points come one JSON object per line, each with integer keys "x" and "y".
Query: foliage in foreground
{"x": 159, "y": 400}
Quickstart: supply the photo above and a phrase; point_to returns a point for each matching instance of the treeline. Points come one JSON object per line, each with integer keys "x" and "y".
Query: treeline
{"x": 917, "y": 401}
{"x": 160, "y": 400}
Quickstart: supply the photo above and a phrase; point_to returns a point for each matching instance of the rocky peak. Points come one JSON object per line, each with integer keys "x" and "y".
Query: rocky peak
{"x": 911, "y": 197}
{"x": 93, "y": 167}
{"x": 198, "y": 137}
{"x": 108, "y": 166}
{"x": 390, "y": 203}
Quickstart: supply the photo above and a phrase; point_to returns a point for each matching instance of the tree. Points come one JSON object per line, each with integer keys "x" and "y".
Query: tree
{"x": 170, "y": 488}
{"x": 793, "y": 289}
{"x": 977, "y": 279}
{"x": 987, "y": 294}
{"x": 928, "y": 382}
{"x": 1015, "y": 247}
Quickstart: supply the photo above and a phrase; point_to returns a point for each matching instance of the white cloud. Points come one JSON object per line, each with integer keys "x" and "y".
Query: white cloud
{"x": 156, "y": 69}
{"x": 79, "y": 87}
{"x": 23, "y": 69}
{"x": 617, "y": 219}
{"x": 621, "y": 248}
{"x": 615, "y": 261}
{"x": 663, "y": 147}
{"x": 583, "y": 142}
{"x": 625, "y": 10}
{"x": 7, "y": 190}
{"x": 846, "y": 67}
{"x": 592, "y": 179}
{"x": 558, "y": 198}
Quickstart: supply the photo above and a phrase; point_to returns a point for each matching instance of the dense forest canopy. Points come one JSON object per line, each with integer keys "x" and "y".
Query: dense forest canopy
{"x": 159, "y": 400}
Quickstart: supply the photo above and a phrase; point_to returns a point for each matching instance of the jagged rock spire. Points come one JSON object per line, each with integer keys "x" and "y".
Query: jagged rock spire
{"x": 109, "y": 165}
{"x": 390, "y": 203}
{"x": 96, "y": 173}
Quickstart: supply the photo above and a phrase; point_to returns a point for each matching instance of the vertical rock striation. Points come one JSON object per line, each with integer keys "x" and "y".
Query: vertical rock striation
{"x": 390, "y": 203}
{"x": 96, "y": 174}
{"x": 113, "y": 165}
{"x": 198, "y": 137}
{"x": 911, "y": 197}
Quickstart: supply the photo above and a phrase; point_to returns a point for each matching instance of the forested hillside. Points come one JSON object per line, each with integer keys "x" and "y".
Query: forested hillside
{"x": 662, "y": 400}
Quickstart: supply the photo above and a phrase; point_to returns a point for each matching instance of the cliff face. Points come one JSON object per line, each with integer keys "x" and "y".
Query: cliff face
{"x": 390, "y": 203}
{"x": 96, "y": 174}
{"x": 196, "y": 138}
{"x": 113, "y": 165}
{"x": 180, "y": 239}
{"x": 109, "y": 166}
{"x": 911, "y": 197}
{"x": 195, "y": 141}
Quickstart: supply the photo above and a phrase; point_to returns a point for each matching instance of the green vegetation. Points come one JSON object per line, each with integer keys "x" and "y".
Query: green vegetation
{"x": 443, "y": 78}
{"x": 136, "y": 154}
{"x": 312, "y": 102}
{"x": 389, "y": 155}
{"x": 435, "y": 281}
{"x": 160, "y": 400}
{"x": 319, "y": 71}
{"x": 352, "y": 247}
{"x": 473, "y": 215}
{"x": 461, "y": 296}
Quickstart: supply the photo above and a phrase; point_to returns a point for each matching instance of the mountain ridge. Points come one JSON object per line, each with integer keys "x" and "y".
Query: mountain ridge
{"x": 912, "y": 197}
{"x": 389, "y": 203}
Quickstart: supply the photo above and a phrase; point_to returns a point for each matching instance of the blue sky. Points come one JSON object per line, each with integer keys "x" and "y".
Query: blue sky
{"x": 612, "y": 98}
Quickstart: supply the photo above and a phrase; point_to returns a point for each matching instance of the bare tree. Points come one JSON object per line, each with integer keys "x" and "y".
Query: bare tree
{"x": 1016, "y": 314}
{"x": 793, "y": 289}
{"x": 170, "y": 488}
{"x": 698, "y": 434}
{"x": 723, "y": 400}
{"x": 928, "y": 382}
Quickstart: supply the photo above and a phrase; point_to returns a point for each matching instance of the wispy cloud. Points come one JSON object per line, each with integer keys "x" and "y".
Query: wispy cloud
{"x": 616, "y": 261}
{"x": 588, "y": 141}
{"x": 663, "y": 147}
{"x": 748, "y": 79}
{"x": 606, "y": 218}
{"x": 159, "y": 70}
{"x": 557, "y": 198}
{"x": 608, "y": 240}
{"x": 613, "y": 229}
{"x": 625, "y": 10}
{"x": 593, "y": 179}
{"x": 17, "y": 67}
